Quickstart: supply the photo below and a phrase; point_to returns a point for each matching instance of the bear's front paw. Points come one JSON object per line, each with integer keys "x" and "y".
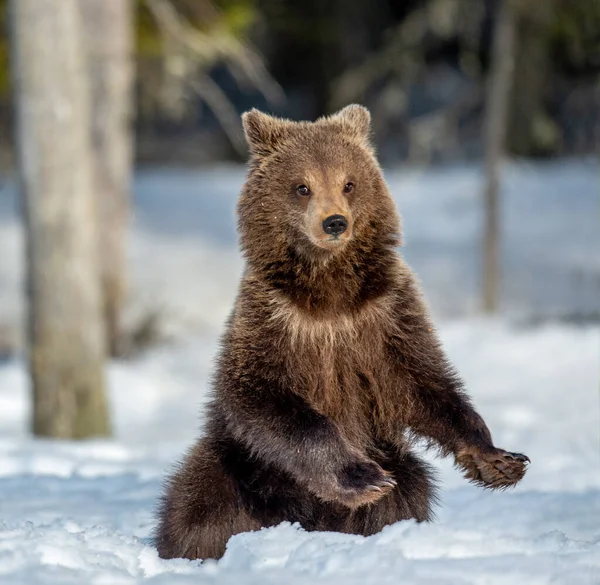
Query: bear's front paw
{"x": 495, "y": 469}
{"x": 364, "y": 482}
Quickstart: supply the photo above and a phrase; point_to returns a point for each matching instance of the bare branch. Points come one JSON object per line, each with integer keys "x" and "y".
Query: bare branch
{"x": 222, "y": 108}
{"x": 200, "y": 50}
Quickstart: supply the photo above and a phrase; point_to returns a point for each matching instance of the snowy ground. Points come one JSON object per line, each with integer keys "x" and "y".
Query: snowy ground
{"x": 83, "y": 513}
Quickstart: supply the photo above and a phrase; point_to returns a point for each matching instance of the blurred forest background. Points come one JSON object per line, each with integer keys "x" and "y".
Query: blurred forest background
{"x": 89, "y": 87}
{"x": 419, "y": 65}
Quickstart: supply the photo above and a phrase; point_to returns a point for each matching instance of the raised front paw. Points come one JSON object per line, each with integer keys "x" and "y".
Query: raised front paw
{"x": 495, "y": 469}
{"x": 364, "y": 482}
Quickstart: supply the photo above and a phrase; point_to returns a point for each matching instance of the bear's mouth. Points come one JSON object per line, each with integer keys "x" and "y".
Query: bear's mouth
{"x": 331, "y": 242}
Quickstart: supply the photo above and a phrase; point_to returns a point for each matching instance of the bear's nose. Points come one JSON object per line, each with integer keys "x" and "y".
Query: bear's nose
{"x": 335, "y": 225}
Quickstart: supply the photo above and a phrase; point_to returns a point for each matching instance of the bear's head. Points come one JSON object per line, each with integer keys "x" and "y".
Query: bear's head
{"x": 314, "y": 189}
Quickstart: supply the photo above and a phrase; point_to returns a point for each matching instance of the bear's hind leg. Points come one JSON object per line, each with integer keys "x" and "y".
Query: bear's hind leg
{"x": 201, "y": 509}
{"x": 411, "y": 499}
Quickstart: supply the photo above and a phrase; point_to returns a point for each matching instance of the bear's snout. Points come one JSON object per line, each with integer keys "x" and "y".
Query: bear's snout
{"x": 335, "y": 225}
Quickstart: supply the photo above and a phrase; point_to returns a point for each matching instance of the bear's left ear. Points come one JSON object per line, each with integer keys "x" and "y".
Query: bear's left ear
{"x": 356, "y": 121}
{"x": 264, "y": 133}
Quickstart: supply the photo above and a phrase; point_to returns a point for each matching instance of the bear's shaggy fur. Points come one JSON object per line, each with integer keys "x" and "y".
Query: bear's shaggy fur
{"x": 329, "y": 363}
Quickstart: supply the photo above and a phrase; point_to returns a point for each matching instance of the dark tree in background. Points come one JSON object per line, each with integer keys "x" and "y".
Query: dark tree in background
{"x": 419, "y": 65}
{"x": 310, "y": 43}
{"x": 496, "y": 121}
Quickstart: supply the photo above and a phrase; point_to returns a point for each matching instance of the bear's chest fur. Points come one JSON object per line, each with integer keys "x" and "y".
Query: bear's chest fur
{"x": 340, "y": 363}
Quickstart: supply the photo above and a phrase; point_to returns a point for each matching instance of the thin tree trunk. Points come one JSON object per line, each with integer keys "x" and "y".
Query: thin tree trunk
{"x": 108, "y": 26}
{"x": 65, "y": 328}
{"x": 497, "y": 102}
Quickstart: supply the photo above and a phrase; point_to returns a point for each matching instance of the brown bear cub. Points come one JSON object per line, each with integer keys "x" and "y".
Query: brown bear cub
{"x": 329, "y": 364}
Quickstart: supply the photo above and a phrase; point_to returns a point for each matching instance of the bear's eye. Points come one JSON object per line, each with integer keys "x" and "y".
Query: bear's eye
{"x": 303, "y": 190}
{"x": 348, "y": 187}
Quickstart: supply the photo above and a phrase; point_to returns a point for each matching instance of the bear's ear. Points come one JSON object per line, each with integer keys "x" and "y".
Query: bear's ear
{"x": 264, "y": 133}
{"x": 356, "y": 121}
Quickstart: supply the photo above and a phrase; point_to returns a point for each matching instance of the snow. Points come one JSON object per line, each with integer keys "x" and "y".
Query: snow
{"x": 83, "y": 512}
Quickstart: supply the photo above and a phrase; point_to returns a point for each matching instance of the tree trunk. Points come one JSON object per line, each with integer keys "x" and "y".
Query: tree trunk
{"x": 497, "y": 102}
{"x": 108, "y": 29}
{"x": 65, "y": 329}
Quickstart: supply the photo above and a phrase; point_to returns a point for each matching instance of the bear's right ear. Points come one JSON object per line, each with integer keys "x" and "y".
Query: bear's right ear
{"x": 264, "y": 133}
{"x": 356, "y": 121}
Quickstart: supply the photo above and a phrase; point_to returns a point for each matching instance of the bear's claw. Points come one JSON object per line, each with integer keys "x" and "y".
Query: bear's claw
{"x": 365, "y": 482}
{"x": 382, "y": 485}
{"x": 517, "y": 456}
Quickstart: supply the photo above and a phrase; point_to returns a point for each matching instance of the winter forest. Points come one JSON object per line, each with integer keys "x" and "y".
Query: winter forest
{"x": 122, "y": 156}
